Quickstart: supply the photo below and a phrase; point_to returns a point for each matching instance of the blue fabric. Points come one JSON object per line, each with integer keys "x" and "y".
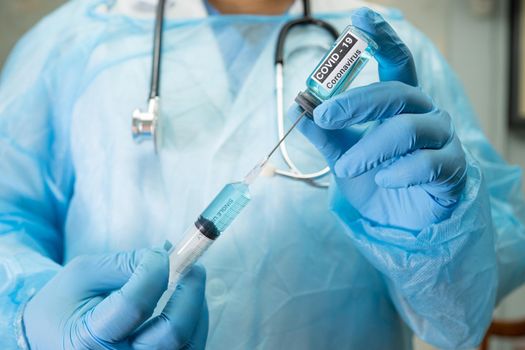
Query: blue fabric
{"x": 287, "y": 274}
{"x": 237, "y": 52}
{"x": 99, "y": 301}
{"x": 210, "y": 8}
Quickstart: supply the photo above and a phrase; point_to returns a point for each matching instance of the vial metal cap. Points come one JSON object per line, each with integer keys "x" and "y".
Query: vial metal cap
{"x": 308, "y": 102}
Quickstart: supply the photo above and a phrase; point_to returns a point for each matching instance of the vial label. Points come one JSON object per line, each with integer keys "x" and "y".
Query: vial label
{"x": 338, "y": 62}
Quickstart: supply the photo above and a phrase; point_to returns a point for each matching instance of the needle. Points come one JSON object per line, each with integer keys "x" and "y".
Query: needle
{"x": 254, "y": 173}
{"x": 285, "y": 135}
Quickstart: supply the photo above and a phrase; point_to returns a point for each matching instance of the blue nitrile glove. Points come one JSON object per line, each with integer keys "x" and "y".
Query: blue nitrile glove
{"x": 409, "y": 170}
{"x": 102, "y": 301}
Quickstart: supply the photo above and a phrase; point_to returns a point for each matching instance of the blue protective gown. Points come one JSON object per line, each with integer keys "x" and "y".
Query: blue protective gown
{"x": 289, "y": 274}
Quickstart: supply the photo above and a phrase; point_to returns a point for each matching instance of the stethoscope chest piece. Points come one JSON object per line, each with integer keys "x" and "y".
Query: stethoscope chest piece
{"x": 144, "y": 124}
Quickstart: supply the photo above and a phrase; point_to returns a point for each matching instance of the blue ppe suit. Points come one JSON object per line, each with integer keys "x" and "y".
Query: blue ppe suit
{"x": 288, "y": 273}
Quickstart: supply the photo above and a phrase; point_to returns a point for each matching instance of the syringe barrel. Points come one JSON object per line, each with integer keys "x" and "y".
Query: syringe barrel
{"x": 219, "y": 214}
{"x": 227, "y": 205}
{"x": 196, "y": 240}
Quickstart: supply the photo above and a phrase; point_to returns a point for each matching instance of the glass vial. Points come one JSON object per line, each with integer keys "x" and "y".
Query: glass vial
{"x": 338, "y": 68}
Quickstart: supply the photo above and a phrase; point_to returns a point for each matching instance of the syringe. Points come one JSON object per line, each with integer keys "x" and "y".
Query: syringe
{"x": 334, "y": 73}
{"x": 216, "y": 218}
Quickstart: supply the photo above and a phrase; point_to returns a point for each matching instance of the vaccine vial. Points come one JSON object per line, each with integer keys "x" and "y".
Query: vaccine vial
{"x": 337, "y": 69}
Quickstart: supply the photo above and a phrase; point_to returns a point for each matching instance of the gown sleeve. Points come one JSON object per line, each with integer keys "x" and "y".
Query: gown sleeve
{"x": 446, "y": 279}
{"x": 503, "y": 181}
{"x": 36, "y": 175}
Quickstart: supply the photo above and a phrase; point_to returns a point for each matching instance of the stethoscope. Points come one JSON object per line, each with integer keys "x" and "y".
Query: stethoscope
{"x": 145, "y": 124}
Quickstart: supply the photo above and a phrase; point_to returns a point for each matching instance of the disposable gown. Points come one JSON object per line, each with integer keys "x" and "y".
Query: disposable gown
{"x": 289, "y": 274}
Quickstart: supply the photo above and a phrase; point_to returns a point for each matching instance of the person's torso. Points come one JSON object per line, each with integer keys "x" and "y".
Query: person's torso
{"x": 285, "y": 275}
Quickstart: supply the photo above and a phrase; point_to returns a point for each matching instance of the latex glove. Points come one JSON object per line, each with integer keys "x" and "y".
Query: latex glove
{"x": 100, "y": 302}
{"x": 409, "y": 170}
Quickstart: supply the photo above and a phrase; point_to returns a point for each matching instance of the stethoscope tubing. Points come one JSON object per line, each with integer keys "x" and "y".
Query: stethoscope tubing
{"x": 279, "y": 61}
{"x": 305, "y": 20}
{"x": 157, "y": 50}
{"x": 294, "y": 171}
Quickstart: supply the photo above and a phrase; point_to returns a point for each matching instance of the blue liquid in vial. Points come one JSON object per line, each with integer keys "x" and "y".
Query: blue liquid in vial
{"x": 227, "y": 205}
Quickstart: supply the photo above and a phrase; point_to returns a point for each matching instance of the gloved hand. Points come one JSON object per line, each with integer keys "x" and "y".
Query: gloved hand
{"x": 409, "y": 170}
{"x": 101, "y": 301}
